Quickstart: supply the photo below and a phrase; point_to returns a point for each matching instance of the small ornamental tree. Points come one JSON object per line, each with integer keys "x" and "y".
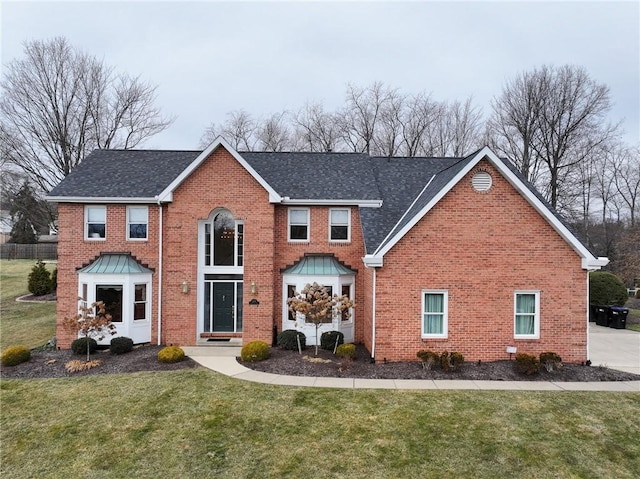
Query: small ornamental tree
{"x": 91, "y": 322}
{"x": 318, "y": 307}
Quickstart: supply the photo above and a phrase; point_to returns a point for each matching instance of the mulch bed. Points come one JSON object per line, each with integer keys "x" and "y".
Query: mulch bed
{"x": 293, "y": 364}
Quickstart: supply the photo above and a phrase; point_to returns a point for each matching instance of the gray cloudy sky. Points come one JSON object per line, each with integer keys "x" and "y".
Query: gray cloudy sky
{"x": 210, "y": 57}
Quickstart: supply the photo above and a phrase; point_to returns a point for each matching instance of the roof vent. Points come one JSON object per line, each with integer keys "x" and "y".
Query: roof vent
{"x": 481, "y": 181}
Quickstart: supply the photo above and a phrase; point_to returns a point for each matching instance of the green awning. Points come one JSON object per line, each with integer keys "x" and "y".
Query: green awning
{"x": 320, "y": 265}
{"x": 115, "y": 263}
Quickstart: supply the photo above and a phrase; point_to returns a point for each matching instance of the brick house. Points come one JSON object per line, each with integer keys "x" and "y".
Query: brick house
{"x": 189, "y": 247}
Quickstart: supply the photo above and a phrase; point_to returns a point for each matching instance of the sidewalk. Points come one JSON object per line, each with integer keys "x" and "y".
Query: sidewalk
{"x": 223, "y": 360}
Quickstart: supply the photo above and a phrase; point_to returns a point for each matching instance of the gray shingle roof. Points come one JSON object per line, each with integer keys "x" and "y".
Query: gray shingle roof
{"x": 124, "y": 173}
{"x": 316, "y": 176}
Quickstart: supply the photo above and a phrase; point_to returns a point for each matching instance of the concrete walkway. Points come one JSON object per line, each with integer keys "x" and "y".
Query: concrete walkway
{"x": 616, "y": 349}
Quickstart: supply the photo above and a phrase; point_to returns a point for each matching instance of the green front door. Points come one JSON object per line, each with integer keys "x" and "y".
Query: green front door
{"x": 223, "y": 307}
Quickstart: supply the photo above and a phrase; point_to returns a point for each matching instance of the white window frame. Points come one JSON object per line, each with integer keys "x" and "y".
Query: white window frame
{"x": 536, "y": 319}
{"x": 445, "y": 314}
{"x": 348, "y": 225}
{"x": 86, "y": 222}
{"x": 289, "y": 225}
{"x": 146, "y": 209}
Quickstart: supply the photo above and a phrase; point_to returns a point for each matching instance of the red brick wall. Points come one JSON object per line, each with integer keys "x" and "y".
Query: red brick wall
{"x": 481, "y": 247}
{"x": 287, "y": 253}
{"x": 74, "y": 252}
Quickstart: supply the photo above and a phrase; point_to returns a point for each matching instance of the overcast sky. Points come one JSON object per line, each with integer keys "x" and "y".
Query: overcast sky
{"x": 209, "y": 57}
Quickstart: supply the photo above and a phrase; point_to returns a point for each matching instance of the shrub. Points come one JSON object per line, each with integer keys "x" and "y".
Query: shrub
{"x": 171, "y": 354}
{"x": 79, "y": 346}
{"x": 607, "y": 289}
{"x": 54, "y": 281}
{"x": 39, "y": 280}
{"x": 428, "y": 358}
{"x": 347, "y": 351}
{"x": 527, "y": 364}
{"x": 76, "y": 365}
{"x": 287, "y": 339}
{"x": 15, "y": 355}
{"x": 451, "y": 361}
{"x": 328, "y": 339}
{"x": 550, "y": 361}
{"x": 121, "y": 345}
{"x": 255, "y": 351}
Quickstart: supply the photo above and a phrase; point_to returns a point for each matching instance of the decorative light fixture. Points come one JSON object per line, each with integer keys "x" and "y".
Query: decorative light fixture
{"x": 254, "y": 288}
{"x": 185, "y": 287}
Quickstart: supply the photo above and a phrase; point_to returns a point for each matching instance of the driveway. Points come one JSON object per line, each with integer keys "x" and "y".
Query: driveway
{"x": 614, "y": 348}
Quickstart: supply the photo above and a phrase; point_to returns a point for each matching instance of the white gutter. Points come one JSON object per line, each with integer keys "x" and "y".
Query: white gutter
{"x": 159, "y": 273}
{"x": 308, "y": 202}
{"x": 100, "y": 199}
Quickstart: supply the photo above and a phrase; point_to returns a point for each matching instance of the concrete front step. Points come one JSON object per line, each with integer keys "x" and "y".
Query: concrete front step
{"x": 213, "y": 351}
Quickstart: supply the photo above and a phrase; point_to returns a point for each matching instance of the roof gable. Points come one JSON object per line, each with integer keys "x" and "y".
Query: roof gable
{"x": 431, "y": 194}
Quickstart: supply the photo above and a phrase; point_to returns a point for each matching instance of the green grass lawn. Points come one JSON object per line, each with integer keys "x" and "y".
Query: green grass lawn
{"x": 197, "y": 423}
{"x": 31, "y": 324}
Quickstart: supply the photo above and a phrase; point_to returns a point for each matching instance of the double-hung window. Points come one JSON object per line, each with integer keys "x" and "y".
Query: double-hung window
{"x": 339, "y": 224}
{"x": 95, "y": 220}
{"x": 137, "y": 222}
{"x": 435, "y": 312}
{"x": 527, "y": 315}
{"x": 298, "y": 224}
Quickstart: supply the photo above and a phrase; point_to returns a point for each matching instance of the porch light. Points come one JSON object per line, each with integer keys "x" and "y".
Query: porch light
{"x": 254, "y": 288}
{"x": 185, "y": 287}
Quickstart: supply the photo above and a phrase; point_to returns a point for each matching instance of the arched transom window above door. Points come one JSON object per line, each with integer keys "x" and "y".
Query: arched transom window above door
{"x": 223, "y": 243}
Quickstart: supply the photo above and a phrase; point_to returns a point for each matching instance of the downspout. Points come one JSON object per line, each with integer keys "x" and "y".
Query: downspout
{"x": 588, "y": 311}
{"x": 159, "y": 272}
{"x": 373, "y": 318}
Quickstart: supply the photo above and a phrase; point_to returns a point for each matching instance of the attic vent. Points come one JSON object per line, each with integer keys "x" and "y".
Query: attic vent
{"x": 481, "y": 181}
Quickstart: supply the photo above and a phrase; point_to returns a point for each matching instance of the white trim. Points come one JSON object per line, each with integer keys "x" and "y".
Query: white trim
{"x": 308, "y": 238}
{"x": 536, "y": 325}
{"x": 588, "y": 260}
{"x": 100, "y": 199}
{"x": 309, "y": 202}
{"x": 445, "y": 314}
{"x": 160, "y": 241}
{"x": 167, "y": 193}
{"x": 86, "y": 222}
{"x": 348, "y": 239}
{"x": 373, "y": 317}
{"x": 128, "y": 225}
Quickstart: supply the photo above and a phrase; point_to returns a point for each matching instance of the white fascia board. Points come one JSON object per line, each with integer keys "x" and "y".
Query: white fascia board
{"x": 373, "y": 261}
{"x": 594, "y": 264}
{"x": 166, "y": 195}
{"x": 308, "y": 202}
{"x": 100, "y": 200}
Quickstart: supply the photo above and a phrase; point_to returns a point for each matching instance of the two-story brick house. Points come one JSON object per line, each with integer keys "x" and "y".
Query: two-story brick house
{"x": 187, "y": 247}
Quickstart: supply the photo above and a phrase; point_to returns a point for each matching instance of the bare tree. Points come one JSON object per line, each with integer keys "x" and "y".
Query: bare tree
{"x": 239, "y": 130}
{"x": 316, "y": 129}
{"x": 59, "y": 103}
{"x": 455, "y": 131}
{"x": 419, "y": 114}
{"x": 626, "y": 165}
{"x": 273, "y": 134}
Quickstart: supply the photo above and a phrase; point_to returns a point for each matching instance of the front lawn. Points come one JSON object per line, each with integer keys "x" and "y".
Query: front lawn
{"x": 31, "y": 324}
{"x": 197, "y": 423}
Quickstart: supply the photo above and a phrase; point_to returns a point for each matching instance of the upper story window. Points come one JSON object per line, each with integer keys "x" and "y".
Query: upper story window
{"x": 435, "y": 314}
{"x": 95, "y": 222}
{"x": 137, "y": 222}
{"x": 224, "y": 241}
{"x": 527, "y": 315}
{"x": 339, "y": 224}
{"x": 298, "y": 224}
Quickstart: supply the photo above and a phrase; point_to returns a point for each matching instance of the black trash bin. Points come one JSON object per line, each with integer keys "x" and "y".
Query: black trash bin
{"x": 602, "y": 315}
{"x": 618, "y": 317}
{"x": 592, "y": 312}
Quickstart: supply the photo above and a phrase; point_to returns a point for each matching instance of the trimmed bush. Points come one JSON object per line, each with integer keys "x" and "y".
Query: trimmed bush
{"x": 14, "y": 355}
{"x": 527, "y": 364}
{"x": 607, "y": 289}
{"x": 79, "y": 346}
{"x": 451, "y": 361}
{"x": 255, "y": 351}
{"x": 121, "y": 345}
{"x": 328, "y": 339}
{"x": 287, "y": 339}
{"x": 39, "y": 280}
{"x": 54, "y": 281}
{"x": 428, "y": 358}
{"x": 347, "y": 351}
{"x": 550, "y": 360}
{"x": 171, "y": 354}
